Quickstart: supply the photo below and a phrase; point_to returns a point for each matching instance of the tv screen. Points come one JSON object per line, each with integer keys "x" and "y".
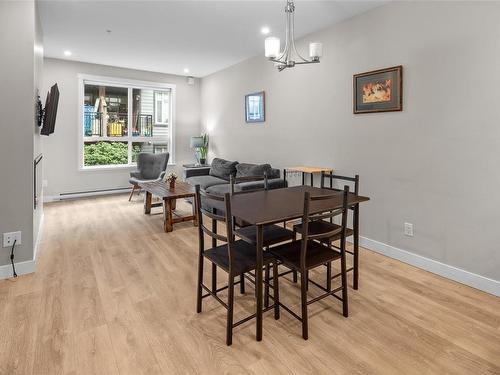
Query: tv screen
{"x": 49, "y": 119}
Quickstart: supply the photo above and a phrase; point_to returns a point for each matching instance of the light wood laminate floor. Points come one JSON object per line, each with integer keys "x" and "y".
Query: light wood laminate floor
{"x": 114, "y": 294}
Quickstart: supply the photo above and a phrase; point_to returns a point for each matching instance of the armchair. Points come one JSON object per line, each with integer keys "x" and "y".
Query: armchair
{"x": 150, "y": 167}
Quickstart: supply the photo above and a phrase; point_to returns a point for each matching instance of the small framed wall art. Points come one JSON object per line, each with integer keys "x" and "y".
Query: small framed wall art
{"x": 255, "y": 107}
{"x": 378, "y": 91}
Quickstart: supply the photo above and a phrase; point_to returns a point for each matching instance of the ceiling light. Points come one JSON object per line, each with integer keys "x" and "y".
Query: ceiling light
{"x": 290, "y": 57}
{"x": 186, "y": 70}
{"x": 67, "y": 53}
{"x": 265, "y": 30}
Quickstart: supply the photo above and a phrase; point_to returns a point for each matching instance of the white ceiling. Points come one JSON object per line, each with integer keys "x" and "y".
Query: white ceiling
{"x": 168, "y": 36}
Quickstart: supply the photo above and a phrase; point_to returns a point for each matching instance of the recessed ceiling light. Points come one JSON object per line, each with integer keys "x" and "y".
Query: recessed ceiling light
{"x": 265, "y": 30}
{"x": 186, "y": 70}
{"x": 67, "y": 53}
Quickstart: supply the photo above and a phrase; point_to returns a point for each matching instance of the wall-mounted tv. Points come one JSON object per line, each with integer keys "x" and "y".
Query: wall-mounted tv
{"x": 50, "y": 113}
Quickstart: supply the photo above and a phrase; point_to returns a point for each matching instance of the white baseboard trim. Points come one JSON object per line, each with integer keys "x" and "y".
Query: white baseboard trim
{"x": 29, "y": 266}
{"x": 22, "y": 268}
{"x": 453, "y": 273}
{"x": 85, "y": 194}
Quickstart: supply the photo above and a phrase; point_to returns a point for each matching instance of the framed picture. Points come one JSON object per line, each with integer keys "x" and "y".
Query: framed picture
{"x": 378, "y": 91}
{"x": 255, "y": 107}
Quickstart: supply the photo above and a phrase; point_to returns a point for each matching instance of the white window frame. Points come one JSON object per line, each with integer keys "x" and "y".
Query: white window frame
{"x": 130, "y": 85}
{"x": 156, "y": 110}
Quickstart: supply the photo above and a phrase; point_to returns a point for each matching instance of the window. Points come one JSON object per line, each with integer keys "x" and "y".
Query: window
{"x": 122, "y": 118}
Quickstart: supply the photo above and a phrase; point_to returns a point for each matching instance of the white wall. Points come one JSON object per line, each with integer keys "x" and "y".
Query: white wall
{"x": 61, "y": 148}
{"x": 17, "y": 77}
{"x": 435, "y": 164}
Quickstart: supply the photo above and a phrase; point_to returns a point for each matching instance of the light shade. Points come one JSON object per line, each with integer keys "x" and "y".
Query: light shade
{"x": 315, "y": 50}
{"x": 196, "y": 142}
{"x": 272, "y": 47}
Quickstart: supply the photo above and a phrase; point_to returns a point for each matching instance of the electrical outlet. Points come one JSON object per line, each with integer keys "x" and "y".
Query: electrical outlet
{"x": 409, "y": 229}
{"x": 8, "y": 239}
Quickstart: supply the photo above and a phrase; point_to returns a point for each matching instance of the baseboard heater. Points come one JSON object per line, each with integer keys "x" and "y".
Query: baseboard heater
{"x": 89, "y": 193}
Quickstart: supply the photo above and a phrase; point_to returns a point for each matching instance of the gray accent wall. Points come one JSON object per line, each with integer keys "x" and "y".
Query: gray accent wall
{"x": 61, "y": 148}
{"x": 435, "y": 164}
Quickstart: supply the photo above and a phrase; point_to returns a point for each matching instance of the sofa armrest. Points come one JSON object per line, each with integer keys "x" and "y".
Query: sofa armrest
{"x": 135, "y": 174}
{"x": 192, "y": 172}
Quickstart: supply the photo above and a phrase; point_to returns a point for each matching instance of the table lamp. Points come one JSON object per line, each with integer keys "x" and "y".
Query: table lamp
{"x": 196, "y": 143}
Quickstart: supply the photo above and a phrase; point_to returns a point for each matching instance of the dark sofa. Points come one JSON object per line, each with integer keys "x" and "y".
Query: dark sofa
{"x": 216, "y": 180}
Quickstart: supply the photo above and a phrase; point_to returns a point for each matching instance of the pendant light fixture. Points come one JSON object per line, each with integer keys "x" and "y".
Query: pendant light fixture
{"x": 290, "y": 57}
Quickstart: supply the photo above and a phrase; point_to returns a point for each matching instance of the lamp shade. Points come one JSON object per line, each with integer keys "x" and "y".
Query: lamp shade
{"x": 315, "y": 50}
{"x": 196, "y": 142}
{"x": 272, "y": 47}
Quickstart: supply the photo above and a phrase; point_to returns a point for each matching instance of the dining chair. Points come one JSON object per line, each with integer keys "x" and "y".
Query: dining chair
{"x": 272, "y": 234}
{"x": 327, "y": 180}
{"x": 235, "y": 257}
{"x": 311, "y": 251}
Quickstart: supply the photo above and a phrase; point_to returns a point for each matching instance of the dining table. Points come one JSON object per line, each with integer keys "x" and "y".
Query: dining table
{"x": 266, "y": 207}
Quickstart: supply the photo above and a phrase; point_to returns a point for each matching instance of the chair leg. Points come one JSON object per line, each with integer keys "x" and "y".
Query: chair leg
{"x": 242, "y": 284}
{"x": 266, "y": 290}
{"x": 200, "y": 282}
{"x": 303, "y": 300}
{"x": 230, "y": 304}
{"x": 276, "y": 291}
{"x": 214, "y": 278}
{"x": 307, "y": 280}
{"x": 131, "y": 193}
{"x": 343, "y": 270}
{"x": 329, "y": 276}
{"x": 294, "y": 272}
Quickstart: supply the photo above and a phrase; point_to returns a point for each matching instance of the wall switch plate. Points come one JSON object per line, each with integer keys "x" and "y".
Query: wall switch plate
{"x": 409, "y": 229}
{"x": 45, "y": 183}
{"x": 8, "y": 239}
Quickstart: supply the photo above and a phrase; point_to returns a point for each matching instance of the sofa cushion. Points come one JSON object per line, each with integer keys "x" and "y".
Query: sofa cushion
{"x": 250, "y": 170}
{"x": 219, "y": 189}
{"x": 223, "y": 168}
{"x": 205, "y": 181}
{"x": 274, "y": 183}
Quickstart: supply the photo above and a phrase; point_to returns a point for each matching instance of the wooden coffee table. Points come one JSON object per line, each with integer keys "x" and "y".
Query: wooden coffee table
{"x": 169, "y": 196}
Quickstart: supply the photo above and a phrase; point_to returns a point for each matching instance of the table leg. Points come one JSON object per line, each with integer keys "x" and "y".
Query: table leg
{"x": 173, "y": 203}
{"x": 356, "y": 247}
{"x": 312, "y": 179}
{"x": 303, "y": 178}
{"x": 167, "y": 215}
{"x": 147, "y": 203}
{"x": 258, "y": 281}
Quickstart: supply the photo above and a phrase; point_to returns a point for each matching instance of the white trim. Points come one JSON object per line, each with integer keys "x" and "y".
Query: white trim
{"x": 128, "y": 83}
{"x": 28, "y": 266}
{"x": 453, "y": 273}
{"x": 55, "y": 198}
{"x": 22, "y": 268}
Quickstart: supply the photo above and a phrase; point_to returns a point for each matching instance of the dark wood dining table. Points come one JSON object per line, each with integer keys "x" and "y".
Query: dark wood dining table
{"x": 274, "y": 206}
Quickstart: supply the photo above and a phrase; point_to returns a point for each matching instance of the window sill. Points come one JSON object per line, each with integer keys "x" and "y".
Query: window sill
{"x": 117, "y": 167}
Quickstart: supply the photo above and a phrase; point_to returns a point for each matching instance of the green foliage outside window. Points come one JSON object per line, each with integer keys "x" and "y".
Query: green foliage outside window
{"x": 105, "y": 153}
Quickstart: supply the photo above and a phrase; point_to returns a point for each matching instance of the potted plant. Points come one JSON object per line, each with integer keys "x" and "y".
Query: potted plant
{"x": 203, "y": 149}
{"x": 171, "y": 177}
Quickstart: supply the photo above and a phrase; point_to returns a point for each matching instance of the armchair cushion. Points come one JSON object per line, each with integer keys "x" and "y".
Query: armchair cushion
{"x": 223, "y": 168}
{"x": 150, "y": 166}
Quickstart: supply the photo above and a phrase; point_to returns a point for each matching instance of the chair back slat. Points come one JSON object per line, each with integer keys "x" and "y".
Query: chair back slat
{"x": 330, "y": 177}
{"x": 322, "y": 216}
{"x": 307, "y": 218}
{"x": 227, "y": 219}
{"x": 236, "y": 180}
{"x": 213, "y": 234}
